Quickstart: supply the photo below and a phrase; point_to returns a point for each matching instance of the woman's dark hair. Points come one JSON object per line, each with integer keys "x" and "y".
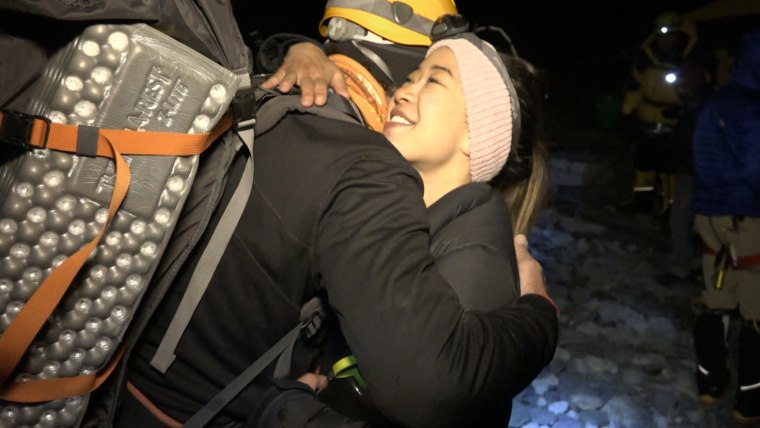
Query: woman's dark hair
{"x": 524, "y": 179}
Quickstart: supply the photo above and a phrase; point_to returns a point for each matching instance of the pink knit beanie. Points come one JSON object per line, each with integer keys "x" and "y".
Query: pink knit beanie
{"x": 490, "y": 103}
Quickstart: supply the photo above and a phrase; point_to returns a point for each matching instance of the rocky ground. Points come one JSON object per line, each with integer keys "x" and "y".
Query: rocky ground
{"x": 625, "y": 355}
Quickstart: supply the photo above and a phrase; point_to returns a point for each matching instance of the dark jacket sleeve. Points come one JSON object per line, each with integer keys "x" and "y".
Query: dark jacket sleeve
{"x": 480, "y": 275}
{"x": 427, "y": 361}
{"x": 292, "y": 404}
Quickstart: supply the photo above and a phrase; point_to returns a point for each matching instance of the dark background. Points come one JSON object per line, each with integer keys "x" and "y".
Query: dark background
{"x": 586, "y": 47}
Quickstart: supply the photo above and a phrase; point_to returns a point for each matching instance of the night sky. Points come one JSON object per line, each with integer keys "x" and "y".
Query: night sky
{"x": 587, "y": 47}
{"x": 543, "y": 30}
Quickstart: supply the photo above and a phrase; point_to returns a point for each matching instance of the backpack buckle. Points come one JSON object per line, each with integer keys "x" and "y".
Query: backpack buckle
{"x": 312, "y": 314}
{"x": 244, "y": 109}
{"x": 16, "y": 129}
{"x": 311, "y": 326}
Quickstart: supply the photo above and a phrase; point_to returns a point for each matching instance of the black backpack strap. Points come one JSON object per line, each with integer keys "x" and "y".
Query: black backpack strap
{"x": 312, "y": 315}
{"x": 273, "y": 106}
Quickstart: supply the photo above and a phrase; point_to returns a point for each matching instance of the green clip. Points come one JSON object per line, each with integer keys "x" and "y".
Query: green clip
{"x": 347, "y": 367}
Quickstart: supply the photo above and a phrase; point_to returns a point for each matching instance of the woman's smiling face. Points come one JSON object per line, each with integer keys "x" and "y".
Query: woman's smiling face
{"x": 427, "y": 120}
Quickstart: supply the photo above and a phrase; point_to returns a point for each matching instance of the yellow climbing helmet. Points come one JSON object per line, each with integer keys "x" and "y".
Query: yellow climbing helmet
{"x": 406, "y": 22}
{"x": 673, "y": 21}
{"x": 667, "y": 21}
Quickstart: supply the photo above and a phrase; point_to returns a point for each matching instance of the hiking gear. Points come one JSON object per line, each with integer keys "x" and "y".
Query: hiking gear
{"x": 389, "y": 64}
{"x": 312, "y": 314}
{"x": 721, "y": 265}
{"x": 669, "y": 20}
{"x": 144, "y": 221}
{"x": 367, "y": 95}
{"x": 407, "y": 22}
{"x": 731, "y": 260}
{"x": 747, "y": 403}
{"x": 665, "y": 24}
{"x": 450, "y": 25}
{"x": 271, "y": 108}
{"x": 112, "y": 76}
{"x": 490, "y": 101}
{"x": 710, "y": 344}
{"x": 347, "y": 393}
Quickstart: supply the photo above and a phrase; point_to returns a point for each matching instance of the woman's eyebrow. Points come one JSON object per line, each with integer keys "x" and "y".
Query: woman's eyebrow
{"x": 442, "y": 68}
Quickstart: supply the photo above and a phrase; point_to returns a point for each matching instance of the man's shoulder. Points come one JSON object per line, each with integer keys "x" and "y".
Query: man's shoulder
{"x": 323, "y": 138}
{"x": 309, "y": 155}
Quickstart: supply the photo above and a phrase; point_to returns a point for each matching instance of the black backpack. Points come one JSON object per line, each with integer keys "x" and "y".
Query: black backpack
{"x": 208, "y": 28}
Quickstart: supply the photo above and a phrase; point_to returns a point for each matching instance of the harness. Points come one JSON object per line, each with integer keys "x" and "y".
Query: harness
{"x": 726, "y": 258}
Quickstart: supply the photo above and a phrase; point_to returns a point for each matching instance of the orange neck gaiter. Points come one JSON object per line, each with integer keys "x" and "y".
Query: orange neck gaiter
{"x": 364, "y": 90}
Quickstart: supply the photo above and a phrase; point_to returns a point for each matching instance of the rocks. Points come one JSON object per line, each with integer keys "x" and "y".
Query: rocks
{"x": 625, "y": 359}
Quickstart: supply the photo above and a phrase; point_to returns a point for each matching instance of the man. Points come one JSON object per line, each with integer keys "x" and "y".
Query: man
{"x": 727, "y": 203}
{"x": 336, "y": 212}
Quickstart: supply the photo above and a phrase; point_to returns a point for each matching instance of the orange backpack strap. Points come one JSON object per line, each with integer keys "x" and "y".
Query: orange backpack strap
{"x": 39, "y": 390}
{"x": 37, "y": 132}
{"x": 28, "y": 131}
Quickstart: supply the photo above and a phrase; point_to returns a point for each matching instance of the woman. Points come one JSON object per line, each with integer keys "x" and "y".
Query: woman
{"x": 470, "y": 128}
{"x": 460, "y": 121}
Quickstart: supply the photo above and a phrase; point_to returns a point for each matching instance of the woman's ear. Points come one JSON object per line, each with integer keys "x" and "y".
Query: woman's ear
{"x": 464, "y": 146}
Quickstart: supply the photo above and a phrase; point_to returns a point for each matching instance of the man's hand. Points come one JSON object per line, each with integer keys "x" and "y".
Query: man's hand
{"x": 532, "y": 279}
{"x": 307, "y": 67}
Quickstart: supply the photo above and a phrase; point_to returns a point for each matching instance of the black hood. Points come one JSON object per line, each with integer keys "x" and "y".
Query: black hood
{"x": 381, "y": 59}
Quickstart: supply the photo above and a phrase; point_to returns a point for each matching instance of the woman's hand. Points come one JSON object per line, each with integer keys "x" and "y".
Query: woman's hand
{"x": 532, "y": 280}
{"x": 307, "y": 67}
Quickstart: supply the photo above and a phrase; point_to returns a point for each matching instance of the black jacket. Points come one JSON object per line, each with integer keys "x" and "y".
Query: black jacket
{"x": 336, "y": 210}
{"x": 471, "y": 240}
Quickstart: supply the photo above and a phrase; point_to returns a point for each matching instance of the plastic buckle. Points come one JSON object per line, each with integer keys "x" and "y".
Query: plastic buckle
{"x": 311, "y": 326}
{"x": 448, "y": 26}
{"x": 244, "y": 109}
{"x": 16, "y": 129}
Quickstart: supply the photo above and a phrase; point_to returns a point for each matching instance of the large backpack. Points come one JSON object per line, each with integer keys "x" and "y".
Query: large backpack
{"x": 86, "y": 251}
{"x": 82, "y": 333}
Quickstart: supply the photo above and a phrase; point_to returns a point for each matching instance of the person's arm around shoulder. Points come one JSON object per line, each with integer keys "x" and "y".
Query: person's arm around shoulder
{"x": 307, "y": 67}
{"x": 403, "y": 321}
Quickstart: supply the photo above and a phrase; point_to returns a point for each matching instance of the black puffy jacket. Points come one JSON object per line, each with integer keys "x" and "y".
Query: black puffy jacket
{"x": 336, "y": 209}
{"x": 471, "y": 240}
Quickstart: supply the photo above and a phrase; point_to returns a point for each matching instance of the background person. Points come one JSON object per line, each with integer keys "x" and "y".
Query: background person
{"x": 727, "y": 203}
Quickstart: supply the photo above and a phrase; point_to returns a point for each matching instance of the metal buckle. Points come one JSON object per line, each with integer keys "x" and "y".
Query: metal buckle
{"x": 16, "y": 129}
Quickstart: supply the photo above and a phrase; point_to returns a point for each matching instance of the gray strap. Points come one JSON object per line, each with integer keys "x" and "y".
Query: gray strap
{"x": 374, "y": 58}
{"x": 87, "y": 141}
{"x": 312, "y": 314}
{"x": 282, "y": 369}
{"x": 207, "y": 263}
{"x": 207, "y": 412}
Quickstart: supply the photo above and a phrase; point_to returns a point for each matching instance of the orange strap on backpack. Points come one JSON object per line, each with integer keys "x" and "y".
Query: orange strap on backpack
{"x": 39, "y": 133}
